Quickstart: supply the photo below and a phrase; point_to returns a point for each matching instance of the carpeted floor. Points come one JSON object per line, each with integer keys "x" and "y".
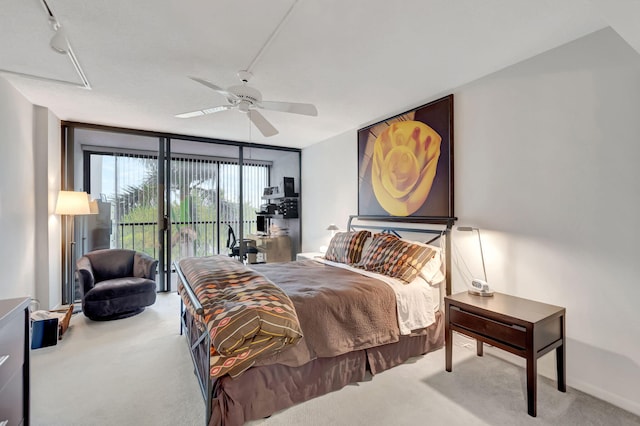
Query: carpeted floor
{"x": 137, "y": 371}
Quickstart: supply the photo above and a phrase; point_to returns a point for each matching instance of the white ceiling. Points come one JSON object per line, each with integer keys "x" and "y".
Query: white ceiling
{"x": 358, "y": 61}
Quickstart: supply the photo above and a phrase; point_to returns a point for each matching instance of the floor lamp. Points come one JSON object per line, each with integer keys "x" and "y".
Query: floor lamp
{"x": 69, "y": 205}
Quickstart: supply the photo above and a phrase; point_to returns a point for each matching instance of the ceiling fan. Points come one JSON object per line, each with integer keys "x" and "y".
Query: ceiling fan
{"x": 248, "y": 100}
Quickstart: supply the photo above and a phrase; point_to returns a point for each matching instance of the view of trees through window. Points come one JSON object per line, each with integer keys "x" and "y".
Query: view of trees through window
{"x": 204, "y": 196}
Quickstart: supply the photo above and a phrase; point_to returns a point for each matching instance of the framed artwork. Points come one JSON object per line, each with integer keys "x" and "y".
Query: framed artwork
{"x": 405, "y": 164}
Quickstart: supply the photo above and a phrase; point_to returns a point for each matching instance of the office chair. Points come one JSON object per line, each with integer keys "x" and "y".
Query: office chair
{"x": 234, "y": 246}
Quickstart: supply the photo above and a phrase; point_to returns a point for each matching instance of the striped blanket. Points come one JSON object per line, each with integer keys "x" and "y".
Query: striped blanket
{"x": 247, "y": 316}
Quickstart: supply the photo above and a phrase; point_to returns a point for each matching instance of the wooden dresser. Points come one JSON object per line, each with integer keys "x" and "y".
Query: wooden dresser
{"x": 14, "y": 362}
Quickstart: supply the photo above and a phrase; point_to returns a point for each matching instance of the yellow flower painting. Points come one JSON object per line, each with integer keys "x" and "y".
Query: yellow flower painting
{"x": 405, "y": 167}
{"x": 405, "y": 156}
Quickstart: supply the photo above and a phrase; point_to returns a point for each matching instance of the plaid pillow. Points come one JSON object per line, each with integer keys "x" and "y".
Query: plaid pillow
{"x": 396, "y": 258}
{"x": 346, "y": 247}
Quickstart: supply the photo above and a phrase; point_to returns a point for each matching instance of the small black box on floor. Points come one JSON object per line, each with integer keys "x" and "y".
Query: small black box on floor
{"x": 44, "y": 333}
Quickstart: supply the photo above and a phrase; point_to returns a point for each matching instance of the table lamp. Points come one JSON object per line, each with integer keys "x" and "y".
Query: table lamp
{"x": 478, "y": 287}
{"x": 333, "y": 228}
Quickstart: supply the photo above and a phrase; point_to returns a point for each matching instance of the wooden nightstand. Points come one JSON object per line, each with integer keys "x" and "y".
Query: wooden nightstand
{"x": 523, "y": 327}
{"x": 309, "y": 255}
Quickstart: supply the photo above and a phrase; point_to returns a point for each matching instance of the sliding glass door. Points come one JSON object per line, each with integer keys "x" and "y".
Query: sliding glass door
{"x": 168, "y": 196}
{"x": 201, "y": 203}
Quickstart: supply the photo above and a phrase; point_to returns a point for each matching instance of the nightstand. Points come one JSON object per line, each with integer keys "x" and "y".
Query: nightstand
{"x": 309, "y": 255}
{"x": 523, "y": 327}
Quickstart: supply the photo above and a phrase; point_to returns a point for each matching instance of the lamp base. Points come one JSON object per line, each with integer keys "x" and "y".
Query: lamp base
{"x": 480, "y": 288}
{"x": 480, "y": 293}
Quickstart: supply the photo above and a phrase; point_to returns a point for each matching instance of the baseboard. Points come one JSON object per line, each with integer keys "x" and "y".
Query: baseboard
{"x": 617, "y": 400}
{"x": 546, "y": 368}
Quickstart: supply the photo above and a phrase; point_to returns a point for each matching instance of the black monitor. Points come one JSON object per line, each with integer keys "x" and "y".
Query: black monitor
{"x": 261, "y": 224}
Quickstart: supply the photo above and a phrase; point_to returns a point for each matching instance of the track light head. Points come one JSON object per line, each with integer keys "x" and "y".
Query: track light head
{"x": 59, "y": 42}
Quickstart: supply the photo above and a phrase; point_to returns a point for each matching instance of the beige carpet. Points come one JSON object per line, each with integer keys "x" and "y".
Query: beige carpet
{"x": 133, "y": 371}
{"x": 137, "y": 371}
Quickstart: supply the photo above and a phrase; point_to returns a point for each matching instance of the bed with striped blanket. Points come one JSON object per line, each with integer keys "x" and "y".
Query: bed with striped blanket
{"x": 339, "y": 327}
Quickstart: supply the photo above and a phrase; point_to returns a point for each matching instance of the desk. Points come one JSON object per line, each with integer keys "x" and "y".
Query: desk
{"x": 523, "y": 327}
{"x": 273, "y": 249}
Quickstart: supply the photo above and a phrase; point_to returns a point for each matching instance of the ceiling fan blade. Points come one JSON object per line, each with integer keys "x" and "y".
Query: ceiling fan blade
{"x": 214, "y": 87}
{"x": 296, "y": 108}
{"x": 262, "y": 124}
{"x": 204, "y": 111}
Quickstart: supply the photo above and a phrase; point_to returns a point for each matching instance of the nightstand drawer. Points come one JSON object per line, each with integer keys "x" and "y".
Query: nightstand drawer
{"x": 11, "y": 347}
{"x": 511, "y": 334}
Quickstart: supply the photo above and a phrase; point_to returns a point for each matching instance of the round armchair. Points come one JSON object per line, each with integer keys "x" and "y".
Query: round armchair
{"x": 116, "y": 283}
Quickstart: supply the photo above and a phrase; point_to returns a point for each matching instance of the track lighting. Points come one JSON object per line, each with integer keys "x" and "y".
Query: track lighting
{"x": 59, "y": 42}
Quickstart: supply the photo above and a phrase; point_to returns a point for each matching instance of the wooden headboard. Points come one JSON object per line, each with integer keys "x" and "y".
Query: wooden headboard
{"x": 434, "y": 227}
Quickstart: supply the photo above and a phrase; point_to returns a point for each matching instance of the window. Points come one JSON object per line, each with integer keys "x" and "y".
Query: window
{"x": 203, "y": 197}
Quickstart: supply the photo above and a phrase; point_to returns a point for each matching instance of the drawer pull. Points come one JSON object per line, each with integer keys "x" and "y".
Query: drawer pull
{"x": 2, "y": 361}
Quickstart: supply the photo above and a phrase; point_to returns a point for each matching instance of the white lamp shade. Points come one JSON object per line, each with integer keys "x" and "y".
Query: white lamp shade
{"x": 72, "y": 203}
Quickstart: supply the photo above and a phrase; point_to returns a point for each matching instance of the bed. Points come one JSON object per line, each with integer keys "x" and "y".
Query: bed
{"x": 323, "y": 324}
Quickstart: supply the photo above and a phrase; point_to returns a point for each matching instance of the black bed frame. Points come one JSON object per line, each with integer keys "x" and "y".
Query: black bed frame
{"x": 200, "y": 347}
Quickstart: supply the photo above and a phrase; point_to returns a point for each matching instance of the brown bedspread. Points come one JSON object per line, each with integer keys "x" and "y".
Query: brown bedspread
{"x": 339, "y": 311}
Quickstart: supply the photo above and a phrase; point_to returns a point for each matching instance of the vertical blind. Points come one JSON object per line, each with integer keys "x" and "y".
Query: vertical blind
{"x": 255, "y": 177}
{"x": 129, "y": 182}
{"x": 203, "y": 198}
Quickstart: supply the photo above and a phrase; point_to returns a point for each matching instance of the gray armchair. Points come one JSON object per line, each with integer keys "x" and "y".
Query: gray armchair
{"x": 116, "y": 283}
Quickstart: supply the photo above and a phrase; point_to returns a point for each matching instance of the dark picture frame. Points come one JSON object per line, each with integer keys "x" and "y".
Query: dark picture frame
{"x": 408, "y": 181}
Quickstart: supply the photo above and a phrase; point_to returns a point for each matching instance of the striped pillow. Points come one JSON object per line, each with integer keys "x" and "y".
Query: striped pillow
{"x": 346, "y": 247}
{"x": 396, "y": 258}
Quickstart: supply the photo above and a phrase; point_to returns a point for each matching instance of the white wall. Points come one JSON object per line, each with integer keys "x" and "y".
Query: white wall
{"x": 329, "y": 188}
{"x": 546, "y": 164}
{"x": 47, "y": 224}
{"x": 54, "y": 173}
{"x": 29, "y": 185}
{"x": 17, "y": 201}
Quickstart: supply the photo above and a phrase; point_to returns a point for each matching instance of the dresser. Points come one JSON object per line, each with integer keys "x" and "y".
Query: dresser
{"x": 14, "y": 362}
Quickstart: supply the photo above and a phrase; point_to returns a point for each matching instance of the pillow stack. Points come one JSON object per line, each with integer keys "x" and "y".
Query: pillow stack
{"x": 396, "y": 258}
{"x": 386, "y": 254}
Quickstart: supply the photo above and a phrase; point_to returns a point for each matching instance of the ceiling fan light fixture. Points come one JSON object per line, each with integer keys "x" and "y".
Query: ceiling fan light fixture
{"x": 243, "y": 106}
